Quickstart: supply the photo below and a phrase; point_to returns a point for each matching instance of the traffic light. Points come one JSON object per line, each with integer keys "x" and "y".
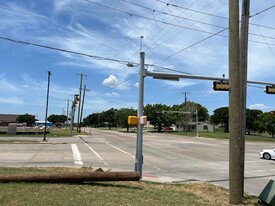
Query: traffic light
{"x": 270, "y": 89}
{"x": 221, "y": 86}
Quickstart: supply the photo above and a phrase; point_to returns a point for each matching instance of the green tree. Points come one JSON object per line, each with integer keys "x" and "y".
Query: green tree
{"x": 54, "y": 118}
{"x": 92, "y": 120}
{"x": 266, "y": 123}
{"x": 220, "y": 116}
{"x": 108, "y": 118}
{"x": 28, "y": 118}
{"x": 121, "y": 117}
{"x": 252, "y": 116}
{"x": 157, "y": 116}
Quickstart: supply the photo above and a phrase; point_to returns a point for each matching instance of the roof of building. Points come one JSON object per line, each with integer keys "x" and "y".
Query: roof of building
{"x": 8, "y": 117}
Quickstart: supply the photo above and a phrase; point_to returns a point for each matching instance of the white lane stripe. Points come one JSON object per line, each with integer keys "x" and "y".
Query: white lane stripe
{"x": 76, "y": 154}
{"x": 96, "y": 153}
{"x": 119, "y": 149}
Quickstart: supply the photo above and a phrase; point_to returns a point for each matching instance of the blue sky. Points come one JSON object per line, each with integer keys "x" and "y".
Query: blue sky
{"x": 111, "y": 29}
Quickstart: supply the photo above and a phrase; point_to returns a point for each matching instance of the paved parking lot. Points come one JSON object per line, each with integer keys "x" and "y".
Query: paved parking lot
{"x": 167, "y": 158}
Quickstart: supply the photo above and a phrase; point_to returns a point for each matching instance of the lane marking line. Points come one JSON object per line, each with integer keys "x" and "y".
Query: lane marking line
{"x": 119, "y": 149}
{"x": 76, "y": 155}
{"x": 96, "y": 154}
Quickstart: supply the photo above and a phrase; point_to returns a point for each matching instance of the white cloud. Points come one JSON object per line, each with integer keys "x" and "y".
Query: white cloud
{"x": 259, "y": 107}
{"x": 12, "y": 100}
{"x": 112, "y": 94}
{"x": 111, "y": 81}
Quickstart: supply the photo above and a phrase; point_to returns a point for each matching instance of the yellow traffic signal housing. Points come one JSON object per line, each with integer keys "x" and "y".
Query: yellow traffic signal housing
{"x": 132, "y": 120}
{"x": 221, "y": 86}
{"x": 270, "y": 89}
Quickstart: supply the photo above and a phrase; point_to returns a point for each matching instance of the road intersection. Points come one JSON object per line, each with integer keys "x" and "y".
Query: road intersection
{"x": 167, "y": 158}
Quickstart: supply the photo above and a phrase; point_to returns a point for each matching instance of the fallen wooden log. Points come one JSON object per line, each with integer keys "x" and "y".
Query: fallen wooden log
{"x": 71, "y": 177}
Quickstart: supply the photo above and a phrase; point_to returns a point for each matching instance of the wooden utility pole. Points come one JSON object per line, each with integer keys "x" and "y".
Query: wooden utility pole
{"x": 79, "y": 106}
{"x": 243, "y": 78}
{"x": 235, "y": 142}
{"x": 82, "y": 105}
{"x": 47, "y": 103}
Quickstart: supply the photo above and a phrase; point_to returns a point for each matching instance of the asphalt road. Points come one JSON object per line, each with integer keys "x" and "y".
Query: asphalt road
{"x": 167, "y": 158}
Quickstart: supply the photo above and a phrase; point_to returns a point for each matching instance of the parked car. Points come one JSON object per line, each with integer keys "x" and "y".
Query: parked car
{"x": 267, "y": 154}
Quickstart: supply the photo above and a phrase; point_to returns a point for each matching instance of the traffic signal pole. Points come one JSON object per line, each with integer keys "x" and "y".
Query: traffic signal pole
{"x": 139, "y": 145}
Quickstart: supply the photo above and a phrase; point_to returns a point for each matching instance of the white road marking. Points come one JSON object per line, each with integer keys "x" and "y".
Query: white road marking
{"x": 96, "y": 154}
{"x": 119, "y": 149}
{"x": 76, "y": 154}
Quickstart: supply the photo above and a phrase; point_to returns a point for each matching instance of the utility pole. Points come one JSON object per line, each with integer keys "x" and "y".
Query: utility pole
{"x": 185, "y": 109}
{"x": 67, "y": 122}
{"x": 79, "y": 106}
{"x": 243, "y": 79}
{"x": 235, "y": 142}
{"x": 84, "y": 92}
{"x": 47, "y": 103}
{"x": 74, "y": 102}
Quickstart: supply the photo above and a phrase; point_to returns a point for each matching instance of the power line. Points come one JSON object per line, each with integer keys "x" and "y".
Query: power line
{"x": 196, "y": 43}
{"x": 264, "y": 38}
{"x": 173, "y": 15}
{"x": 167, "y": 23}
{"x": 193, "y": 10}
{"x": 262, "y": 11}
{"x": 217, "y": 16}
{"x": 66, "y": 51}
{"x": 148, "y": 18}
{"x": 179, "y": 33}
{"x": 84, "y": 54}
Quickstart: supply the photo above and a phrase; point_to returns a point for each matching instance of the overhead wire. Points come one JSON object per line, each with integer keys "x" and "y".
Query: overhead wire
{"x": 173, "y": 15}
{"x": 196, "y": 43}
{"x": 65, "y": 50}
{"x": 167, "y": 23}
{"x": 162, "y": 29}
{"x": 181, "y": 31}
{"x": 264, "y": 38}
{"x": 260, "y": 12}
{"x": 218, "y": 16}
{"x": 193, "y": 10}
{"x": 139, "y": 29}
{"x": 124, "y": 62}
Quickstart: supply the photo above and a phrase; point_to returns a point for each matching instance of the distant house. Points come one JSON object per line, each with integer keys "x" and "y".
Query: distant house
{"x": 5, "y": 119}
{"x": 202, "y": 126}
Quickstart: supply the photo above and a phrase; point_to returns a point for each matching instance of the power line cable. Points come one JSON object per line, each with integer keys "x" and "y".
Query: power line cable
{"x": 193, "y": 10}
{"x": 196, "y": 43}
{"x": 173, "y": 15}
{"x": 167, "y": 23}
{"x": 180, "y": 32}
{"x": 258, "y": 13}
{"x": 84, "y": 54}
{"x": 264, "y": 38}
{"x": 217, "y": 16}
{"x": 66, "y": 51}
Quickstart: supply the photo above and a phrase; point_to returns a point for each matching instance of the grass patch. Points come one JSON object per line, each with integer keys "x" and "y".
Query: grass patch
{"x": 109, "y": 193}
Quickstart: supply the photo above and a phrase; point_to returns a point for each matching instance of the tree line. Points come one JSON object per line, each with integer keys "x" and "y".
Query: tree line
{"x": 161, "y": 115}
{"x": 256, "y": 120}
